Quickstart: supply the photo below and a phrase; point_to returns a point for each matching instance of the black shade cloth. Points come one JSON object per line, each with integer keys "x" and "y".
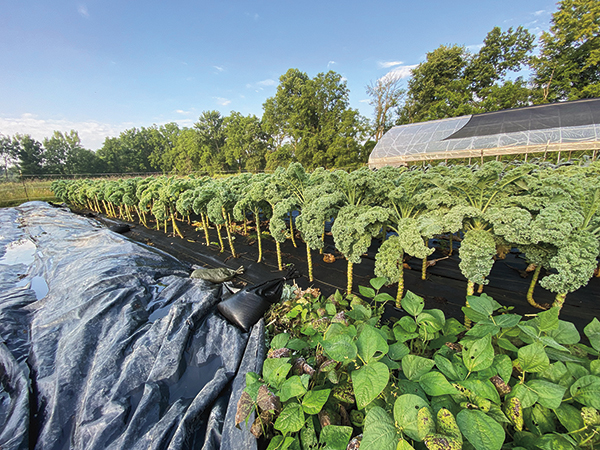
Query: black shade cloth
{"x": 108, "y": 344}
{"x": 541, "y": 117}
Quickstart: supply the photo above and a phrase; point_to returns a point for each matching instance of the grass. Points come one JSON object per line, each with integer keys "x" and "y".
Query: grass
{"x": 13, "y": 193}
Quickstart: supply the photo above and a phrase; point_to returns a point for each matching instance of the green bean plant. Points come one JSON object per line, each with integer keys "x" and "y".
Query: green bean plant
{"x": 337, "y": 375}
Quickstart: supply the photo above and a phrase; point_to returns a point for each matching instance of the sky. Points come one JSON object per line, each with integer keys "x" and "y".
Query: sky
{"x": 102, "y": 66}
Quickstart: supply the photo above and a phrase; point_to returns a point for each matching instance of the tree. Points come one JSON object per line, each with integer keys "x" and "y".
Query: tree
{"x": 502, "y": 52}
{"x": 454, "y": 82}
{"x": 385, "y": 95}
{"x": 568, "y": 67}
{"x": 162, "y": 140}
{"x": 61, "y": 152}
{"x": 8, "y": 152}
{"x": 283, "y": 112}
{"x": 113, "y": 155}
{"x": 245, "y": 142}
{"x": 313, "y": 117}
{"x": 30, "y": 153}
{"x": 211, "y": 135}
{"x": 131, "y": 152}
{"x": 437, "y": 88}
{"x": 184, "y": 156}
{"x": 86, "y": 161}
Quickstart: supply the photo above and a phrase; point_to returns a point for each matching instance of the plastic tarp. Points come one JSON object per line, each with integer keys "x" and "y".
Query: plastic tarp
{"x": 108, "y": 344}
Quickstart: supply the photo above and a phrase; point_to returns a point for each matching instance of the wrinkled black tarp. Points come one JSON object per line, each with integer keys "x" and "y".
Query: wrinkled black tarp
{"x": 108, "y": 344}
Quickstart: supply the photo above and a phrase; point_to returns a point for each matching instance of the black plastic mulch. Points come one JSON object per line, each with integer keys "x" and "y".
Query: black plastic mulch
{"x": 444, "y": 288}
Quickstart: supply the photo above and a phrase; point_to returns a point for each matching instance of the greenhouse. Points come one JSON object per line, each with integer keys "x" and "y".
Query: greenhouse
{"x": 558, "y": 127}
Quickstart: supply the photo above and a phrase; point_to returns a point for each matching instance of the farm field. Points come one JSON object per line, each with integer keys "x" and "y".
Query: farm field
{"x": 444, "y": 287}
{"x": 550, "y": 214}
{"x": 463, "y": 334}
{"x": 14, "y": 193}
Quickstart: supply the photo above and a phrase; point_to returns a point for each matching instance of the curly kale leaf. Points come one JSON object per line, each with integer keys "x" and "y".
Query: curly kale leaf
{"x": 389, "y": 258}
{"x": 354, "y": 228}
{"x": 574, "y": 262}
{"x": 512, "y": 223}
{"x": 314, "y": 215}
{"x": 476, "y": 253}
{"x": 277, "y": 225}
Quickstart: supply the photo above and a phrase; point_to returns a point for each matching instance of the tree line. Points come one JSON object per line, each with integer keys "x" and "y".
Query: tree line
{"x": 309, "y": 120}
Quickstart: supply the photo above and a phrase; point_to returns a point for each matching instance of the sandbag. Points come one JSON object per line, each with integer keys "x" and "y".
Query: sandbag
{"x": 120, "y": 228}
{"x": 219, "y": 275}
{"x": 247, "y": 306}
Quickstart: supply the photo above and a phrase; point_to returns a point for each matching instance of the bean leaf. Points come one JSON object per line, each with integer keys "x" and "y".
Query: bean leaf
{"x": 592, "y": 331}
{"x": 586, "y": 391}
{"x": 416, "y": 366}
{"x": 483, "y": 432}
{"x": 313, "y": 401}
{"x": 275, "y": 370}
{"x": 533, "y": 358}
{"x": 434, "y": 383}
{"x": 549, "y": 394}
{"x": 379, "y": 431}
{"x": 291, "y": 419}
{"x": 412, "y": 303}
{"x": 335, "y": 437}
{"x": 371, "y": 342}
{"x": 478, "y": 354}
{"x": 340, "y": 348}
{"x": 369, "y": 381}
{"x": 292, "y": 387}
{"x": 406, "y": 409}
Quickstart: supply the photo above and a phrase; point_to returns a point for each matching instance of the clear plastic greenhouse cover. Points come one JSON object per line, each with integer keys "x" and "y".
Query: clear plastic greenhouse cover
{"x": 549, "y": 127}
{"x": 109, "y": 344}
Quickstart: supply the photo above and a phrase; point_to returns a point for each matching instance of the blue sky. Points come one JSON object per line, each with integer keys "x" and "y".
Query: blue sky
{"x": 102, "y": 66}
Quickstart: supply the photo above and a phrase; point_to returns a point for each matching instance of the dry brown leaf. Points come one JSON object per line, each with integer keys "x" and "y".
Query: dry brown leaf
{"x": 244, "y": 408}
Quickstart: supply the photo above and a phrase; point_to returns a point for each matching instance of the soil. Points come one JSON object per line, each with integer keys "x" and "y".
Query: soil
{"x": 444, "y": 288}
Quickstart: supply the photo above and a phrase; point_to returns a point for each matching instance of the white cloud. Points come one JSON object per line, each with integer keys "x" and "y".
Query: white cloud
{"x": 91, "y": 133}
{"x": 219, "y": 68}
{"x": 540, "y": 12}
{"x": 474, "y": 48}
{"x": 365, "y": 100}
{"x": 83, "y": 11}
{"x": 267, "y": 82}
{"x": 222, "y": 101}
{"x": 261, "y": 85}
{"x": 181, "y": 111}
{"x": 388, "y": 64}
{"x": 330, "y": 63}
{"x": 400, "y": 72}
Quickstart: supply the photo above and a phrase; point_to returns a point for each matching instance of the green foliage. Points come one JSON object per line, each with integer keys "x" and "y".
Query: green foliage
{"x": 551, "y": 214}
{"x": 314, "y": 115}
{"x": 478, "y": 393}
{"x": 454, "y": 82}
{"x": 567, "y": 67}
